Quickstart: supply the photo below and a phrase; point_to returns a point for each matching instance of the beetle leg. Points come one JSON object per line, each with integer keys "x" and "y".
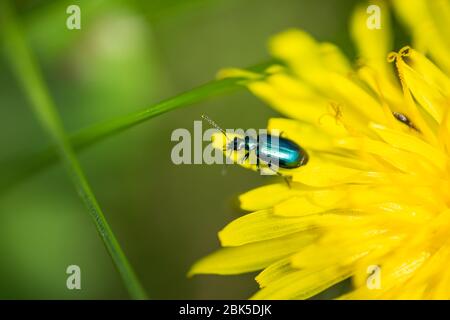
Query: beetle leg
{"x": 286, "y": 179}
{"x": 245, "y": 157}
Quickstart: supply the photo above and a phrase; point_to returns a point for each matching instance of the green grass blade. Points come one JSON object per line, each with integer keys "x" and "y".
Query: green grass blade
{"x": 17, "y": 170}
{"x": 30, "y": 77}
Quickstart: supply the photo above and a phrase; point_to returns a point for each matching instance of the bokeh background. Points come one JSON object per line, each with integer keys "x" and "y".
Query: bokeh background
{"x": 128, "y": 55}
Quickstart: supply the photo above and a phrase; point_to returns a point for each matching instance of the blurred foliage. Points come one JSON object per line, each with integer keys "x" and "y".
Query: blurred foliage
{"x": 127, "y": 55}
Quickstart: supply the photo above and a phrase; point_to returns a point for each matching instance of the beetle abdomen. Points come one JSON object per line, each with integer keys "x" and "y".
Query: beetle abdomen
{"x": 287, "y": 153}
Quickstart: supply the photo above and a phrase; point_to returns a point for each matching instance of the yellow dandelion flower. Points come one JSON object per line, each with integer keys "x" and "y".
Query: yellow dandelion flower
{"x": 375, "y": 194}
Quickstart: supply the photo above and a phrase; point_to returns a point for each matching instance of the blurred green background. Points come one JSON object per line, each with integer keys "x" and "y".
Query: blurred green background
{"x": 128, "y": 55}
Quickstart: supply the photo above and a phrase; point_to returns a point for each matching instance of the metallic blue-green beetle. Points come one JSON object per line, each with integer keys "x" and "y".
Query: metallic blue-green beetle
{"x": 275, "y": 151}
{"x": 271, "y": 150}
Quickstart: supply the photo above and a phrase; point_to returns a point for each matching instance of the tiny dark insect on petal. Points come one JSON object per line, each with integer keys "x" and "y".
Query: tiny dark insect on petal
{"x": 405, "y": 120}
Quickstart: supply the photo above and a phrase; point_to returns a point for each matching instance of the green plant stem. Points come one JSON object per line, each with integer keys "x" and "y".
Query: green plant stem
{"x": 30, "y": 77}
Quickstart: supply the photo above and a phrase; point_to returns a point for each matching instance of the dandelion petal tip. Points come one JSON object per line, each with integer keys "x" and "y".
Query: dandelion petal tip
{"x": 405, "y": 51}
{"x": 391, "y": 57}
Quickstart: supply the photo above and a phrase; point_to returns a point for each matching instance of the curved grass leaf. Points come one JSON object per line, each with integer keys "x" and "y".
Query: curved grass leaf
{"x": 19, "y": 169}
{"x": 31, "y": 79}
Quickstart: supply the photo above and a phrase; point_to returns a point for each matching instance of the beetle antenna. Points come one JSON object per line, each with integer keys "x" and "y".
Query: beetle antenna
{"x": 215, "y": 125}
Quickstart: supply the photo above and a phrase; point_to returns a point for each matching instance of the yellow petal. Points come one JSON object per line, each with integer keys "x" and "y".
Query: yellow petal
{"x": 350, "y": 93}
{"x": 300, "y": 51}
{"x": 333, "y": 58}
{"x": 250, "y": 257}
{"x": 310, "y": 203}
{"x": 323, "y": 174}
{"x": 310, "y": 137}
{"x": 426, "y": 33}
{"x": 341, "y": 249}
{"x": 262, "y": 225}
{"x": 307, "y": 106}
{"x": 302, "y": 284}
{"x": 412, "y": 144}
{"x": 429, "y": 71}
{"x": 373, "y": 44}
{"x": 428, "y": 96}
{"x": 313, "y": 64}
{"x": 385, "y": 87}
{"x": 274, "y": 272}
{"x": 265, "y": 197}
{"x": 385, "y": 153}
